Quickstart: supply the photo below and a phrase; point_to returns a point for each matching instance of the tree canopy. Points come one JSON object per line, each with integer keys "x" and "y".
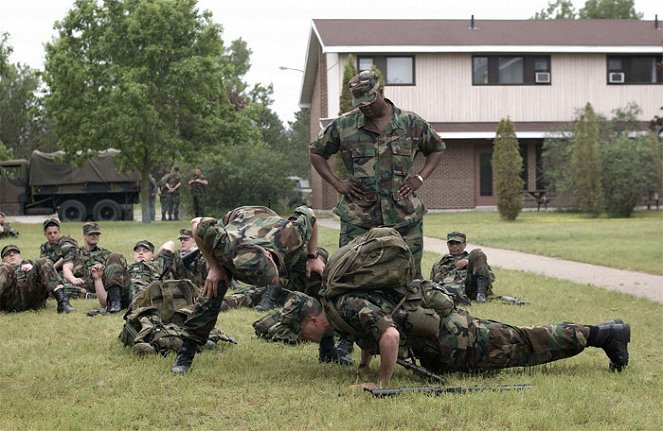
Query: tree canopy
{"x": 593, "y": 9}
{"x": 146, "y": 77}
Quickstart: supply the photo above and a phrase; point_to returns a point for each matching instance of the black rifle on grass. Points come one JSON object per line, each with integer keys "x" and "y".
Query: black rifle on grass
{"x": 439, "y": 390}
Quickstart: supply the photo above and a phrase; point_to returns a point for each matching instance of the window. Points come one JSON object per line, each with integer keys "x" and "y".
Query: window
{"x": 486, "y": 174}
{"x": 397, "y": 70}
{"x": 510, "y": 70}
{"x": 635, "y": 69}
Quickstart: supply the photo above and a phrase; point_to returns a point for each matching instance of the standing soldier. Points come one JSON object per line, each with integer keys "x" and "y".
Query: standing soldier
{"x": 173, "y": 189}
{"x": 153, "y": 191}
{"x": 198, "y": 184}
{"x": 25, "y": 285}
{"x": 166, "y": 201}
{"x": 378, "y": 143}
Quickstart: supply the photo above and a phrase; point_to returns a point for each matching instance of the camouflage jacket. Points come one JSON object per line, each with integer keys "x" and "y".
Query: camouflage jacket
{"x": 287, "y": 239}
{"x": 197, "y": 189}
{"x": 7, "y": 230}
{"x": 172, "y": 181}
{"x": 85, "y": 259}
{"x": 142, "y": 274}
{"x": 65, "y": 246}
{"x": 379, "y": 163}
{"x": 444, "y": 271}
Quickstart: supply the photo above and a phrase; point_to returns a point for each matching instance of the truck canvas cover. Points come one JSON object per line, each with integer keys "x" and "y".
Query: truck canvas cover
{"x": 51, "y": 169}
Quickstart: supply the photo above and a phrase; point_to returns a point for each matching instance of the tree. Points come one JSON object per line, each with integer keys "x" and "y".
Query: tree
{"x": 507, "y": 164}
{"x": 609, "y": 9}
{"x": 146, "y": 77}
{"x": 587, "y": 164}
{"x": 299, "y": 136}
{"x": 5, "y": 51}
{"x": 349, "y": 70}
{"x": 557, "y": 9}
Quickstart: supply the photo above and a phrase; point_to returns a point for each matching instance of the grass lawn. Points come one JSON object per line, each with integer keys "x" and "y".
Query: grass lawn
{"x": 628, "y": 243}
{"x": 71, "y": 372}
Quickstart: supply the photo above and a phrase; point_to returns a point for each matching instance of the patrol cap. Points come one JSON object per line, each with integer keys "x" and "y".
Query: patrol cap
{"x": 456, "y": 236}
{"x": 51, "y": 222}
{"x": 3, "y": 214}
{"x": 297, "y": 304}
{"x": 185, "y": 233}
{"x": 91, "y": 227}
{"x": 144, "y": 243}
{"x": 6, "y": 249}
{"x": 364, "y": 88}
{"x": 253, "y": 266}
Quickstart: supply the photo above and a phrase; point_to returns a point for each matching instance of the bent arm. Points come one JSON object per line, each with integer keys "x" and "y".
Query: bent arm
{"x": 322, "y": 168}
{"x": 388, "y": 345}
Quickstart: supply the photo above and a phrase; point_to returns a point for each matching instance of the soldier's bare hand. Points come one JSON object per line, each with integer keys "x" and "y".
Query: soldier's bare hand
{"x": 411, "y": 184}
{"x": 26, "y": 267}
{"x": 349, "y": 188}
{"x": 215, "y": 275}
{"x": 314, "y": 265}
{"x": 462, "y": 263}
{"x": 97, "y": 271}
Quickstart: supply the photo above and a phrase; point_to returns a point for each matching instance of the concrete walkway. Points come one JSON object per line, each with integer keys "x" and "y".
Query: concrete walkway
{"x": 631, "y": 282}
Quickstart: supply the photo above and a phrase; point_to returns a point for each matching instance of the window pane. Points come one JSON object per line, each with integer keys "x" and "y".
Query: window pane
{"x": 510, "y": 70}
{"x": 485, "y": 174}
{"x": 541, "y": 65}
{"x": 365, "y": 64}
{"x": 480, "y": 70}
{"x": 399, "y": 70}
{"x": 614, "y": 64}
{"x": 643, "y": 70}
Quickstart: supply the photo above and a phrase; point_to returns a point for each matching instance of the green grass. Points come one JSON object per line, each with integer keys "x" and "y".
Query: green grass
{"x": 634, "y": 244}
{"x": 71, "y": 372}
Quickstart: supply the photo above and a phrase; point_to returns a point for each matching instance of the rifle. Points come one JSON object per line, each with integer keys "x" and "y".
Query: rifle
{"x": 188, "y": 258}
{"x": 513, "y": 300}
{"x": 420, "y": 371}
{"x": 439, "y": 390}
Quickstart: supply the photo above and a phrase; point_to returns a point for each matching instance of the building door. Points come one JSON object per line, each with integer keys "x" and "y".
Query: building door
{"x": 484, "y": 193}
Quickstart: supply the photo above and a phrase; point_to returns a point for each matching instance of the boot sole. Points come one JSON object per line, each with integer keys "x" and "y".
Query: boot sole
{"x": 624, "y": 339}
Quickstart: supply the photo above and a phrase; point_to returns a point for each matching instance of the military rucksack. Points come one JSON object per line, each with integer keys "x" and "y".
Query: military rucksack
{"x": 378, "y": 259}
{"x": 166, "y": 295}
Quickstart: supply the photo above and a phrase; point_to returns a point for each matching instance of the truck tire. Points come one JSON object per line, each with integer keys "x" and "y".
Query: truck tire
{"x": 72, "y": 210}
{"x": 106, "y": 210}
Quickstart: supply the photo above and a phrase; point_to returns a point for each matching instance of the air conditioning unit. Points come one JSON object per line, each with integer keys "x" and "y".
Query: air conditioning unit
{"x": 542, "y": 77}
{"x": 616, "y": 77}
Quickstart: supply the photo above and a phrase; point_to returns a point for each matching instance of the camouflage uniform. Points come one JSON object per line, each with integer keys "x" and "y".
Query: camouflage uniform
{"x": 380, "y": 163}
{"x": 141, "y": 274}
{"x": 236, "y": 242}
{"x": 65, "y": 246}
{"x": 83, "y": 260}
{"x": 153, "y": 187}
{"x": 462, "y": 342}
{"x": 463, "y": 281}
{"x": 195, "y": 270}
{"x": 7, "y": 231}
{"x": 197, "y": 195}
{"x": 174, "y": 208}
{"x": 166, "y": 201}
{"x": 20, "y": 291}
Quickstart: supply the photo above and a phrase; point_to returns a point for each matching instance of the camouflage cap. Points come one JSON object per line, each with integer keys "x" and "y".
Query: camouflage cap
{"x": 91, "y": 227}
{"x": 253, "y": 266}
{"x": 364, "y": 88}
{"x": 51, "y": 222}
{"x": 185, "y": 233}
{"x": 6, "y": 249}
{"x": 297, "y": 304}
{"x": 456, "y": 236}
{"x": 144, "y": 243}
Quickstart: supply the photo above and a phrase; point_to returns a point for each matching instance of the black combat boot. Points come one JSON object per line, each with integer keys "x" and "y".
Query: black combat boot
{"x": 113, "y": 300}
{"x": 269, "y": 298}
{"x": 328, "y": 353}
{"x": 481, "y": 289}
{"x": 184, "y": 357}
{"x": 63, "y": 302}
{"x": 613, "y": 337}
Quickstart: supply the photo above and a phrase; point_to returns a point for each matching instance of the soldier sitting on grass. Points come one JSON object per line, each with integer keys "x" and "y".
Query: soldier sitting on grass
{"x": 25, "y": 285}
{"x": 5, "y": 228}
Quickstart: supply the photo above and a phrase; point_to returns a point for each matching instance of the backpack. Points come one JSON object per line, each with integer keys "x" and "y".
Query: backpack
{"x": 378, "y": 259}
{"x": 166, "y": 295}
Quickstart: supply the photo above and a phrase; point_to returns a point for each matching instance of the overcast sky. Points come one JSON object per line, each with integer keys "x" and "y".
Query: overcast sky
{"x": 276, "y": 30}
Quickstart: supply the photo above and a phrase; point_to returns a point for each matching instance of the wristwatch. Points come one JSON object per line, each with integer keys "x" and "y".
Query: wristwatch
{"x": 313, "y": 255}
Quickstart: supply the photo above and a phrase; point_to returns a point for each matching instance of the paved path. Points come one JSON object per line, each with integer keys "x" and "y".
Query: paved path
{"x": 634, "y": 283}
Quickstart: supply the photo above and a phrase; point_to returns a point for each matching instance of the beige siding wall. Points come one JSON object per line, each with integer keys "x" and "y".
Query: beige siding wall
{"x": 444, "y": 91}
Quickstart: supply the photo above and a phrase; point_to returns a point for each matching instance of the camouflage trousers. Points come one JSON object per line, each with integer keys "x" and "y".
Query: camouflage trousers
{"x": 246, "y": 297}
{"x": 166, "y": 205}
{"x": 174, "y": 207}
{"x": 199, "y": 325}
{"x": 465, "y": 343}
{"x": 197, "y": 205}
{"x": 413, "y": 235}
{"x": 21, "y": 291}
{"x": 478, "y": 267}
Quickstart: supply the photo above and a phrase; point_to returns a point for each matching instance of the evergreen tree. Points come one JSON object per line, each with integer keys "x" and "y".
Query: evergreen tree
{"x": 557, "y": 9}
{"x": 609, "y": 9}
{"x": 349, "y": 71}
{"x": 587, "y": 164}
{"x": 507, "y": 164}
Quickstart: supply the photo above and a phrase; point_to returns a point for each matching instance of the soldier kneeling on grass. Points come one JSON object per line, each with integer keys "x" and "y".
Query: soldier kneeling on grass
{"x": 25, "y": 285}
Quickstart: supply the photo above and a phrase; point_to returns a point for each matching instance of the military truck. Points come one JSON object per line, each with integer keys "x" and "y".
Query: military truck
{"x": 91, "y": 190}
